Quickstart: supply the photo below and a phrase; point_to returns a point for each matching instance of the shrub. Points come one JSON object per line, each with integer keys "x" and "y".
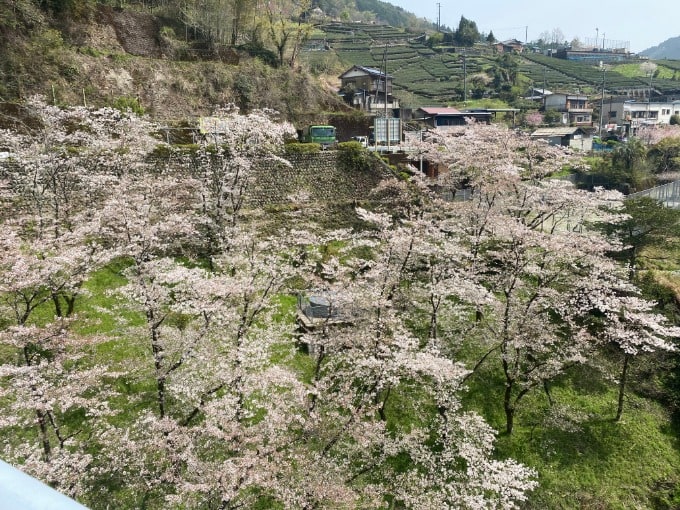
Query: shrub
{"x": 125, "y": 103}
{"x": 258, "y": 51}
{"x": 302, "y": 148}
{"x": 353, "y": 156}
{"x": 552, "y": 117}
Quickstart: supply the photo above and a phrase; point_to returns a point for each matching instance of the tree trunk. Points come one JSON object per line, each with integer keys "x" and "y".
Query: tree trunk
{"x": 509, "y": 409}
{"x": 622, "y": 386}
{"x": 381, "y": 408}
{"x": 157, "y": 349}
{"x": 434, "y": 326}
{"x": 70, "y": 304}
{"x": 42, "y": 424}
{"x": 546, "y": 388}
{"x": 57, "y": 305}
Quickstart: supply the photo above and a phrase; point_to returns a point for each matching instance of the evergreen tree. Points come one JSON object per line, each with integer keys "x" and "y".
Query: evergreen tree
{"x": 467, "y": 33}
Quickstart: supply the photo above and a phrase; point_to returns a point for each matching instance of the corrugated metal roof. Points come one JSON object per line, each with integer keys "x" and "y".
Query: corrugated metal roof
{"x": 433, "y": 110}
{"x": 371, "y": 70}
{"x": 19, "y": 491}
{"x": 368, "y": 70}
{"x": 556, "y": 131}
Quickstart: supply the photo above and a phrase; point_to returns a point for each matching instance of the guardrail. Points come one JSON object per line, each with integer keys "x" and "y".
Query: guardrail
{"x": 667, "y": 194}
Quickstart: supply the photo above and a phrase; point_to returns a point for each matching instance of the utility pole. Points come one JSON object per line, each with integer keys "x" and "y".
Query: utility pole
{"x": 649, "y": 95}
{"x": 439, "y": 16}
{"x": 387, "y": 121}
{"x": 604, "y": 73}
{"x": 545, "y": 81}
{"x": 649, "y": 67}
{"x": 464, "y": 79}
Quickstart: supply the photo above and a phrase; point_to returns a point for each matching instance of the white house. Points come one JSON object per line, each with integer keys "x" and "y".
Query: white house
{"x": 632, "y": 114}
{"x": 574, "y": 108}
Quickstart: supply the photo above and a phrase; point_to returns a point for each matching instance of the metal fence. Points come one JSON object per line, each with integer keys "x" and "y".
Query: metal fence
{"x": 668, "y": 194}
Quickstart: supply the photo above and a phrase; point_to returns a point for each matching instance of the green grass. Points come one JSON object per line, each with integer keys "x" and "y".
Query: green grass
{"x": 584, "y": 459}
{"x": 587, "y": 462}
{"x": 599, "y": 464}
{"x": 101, "y": 312}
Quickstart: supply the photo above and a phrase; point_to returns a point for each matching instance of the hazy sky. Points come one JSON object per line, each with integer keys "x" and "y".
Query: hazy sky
{"x": 642, "y": 23}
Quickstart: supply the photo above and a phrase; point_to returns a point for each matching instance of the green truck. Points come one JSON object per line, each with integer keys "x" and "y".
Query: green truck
{"x": 321, "y": 134}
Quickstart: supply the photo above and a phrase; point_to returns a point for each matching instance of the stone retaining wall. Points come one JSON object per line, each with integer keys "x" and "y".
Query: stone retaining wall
{"x": 313, "y": 179}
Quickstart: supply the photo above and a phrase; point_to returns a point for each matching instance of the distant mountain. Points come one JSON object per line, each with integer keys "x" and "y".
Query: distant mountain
{"x": 669, "y": 49}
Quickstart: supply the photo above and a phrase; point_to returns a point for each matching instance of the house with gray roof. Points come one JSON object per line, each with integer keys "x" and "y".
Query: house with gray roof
{"x": 367, "y": 88}
{"x": 446, "y": 117}
{"x": 566, "y": 136}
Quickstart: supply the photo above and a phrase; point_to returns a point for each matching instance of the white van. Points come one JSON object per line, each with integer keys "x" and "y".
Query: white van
{"x": 363, "y": 140}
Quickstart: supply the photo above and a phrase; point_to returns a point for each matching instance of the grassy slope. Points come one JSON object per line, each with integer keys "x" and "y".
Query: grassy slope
{"x": 584, "y": 461}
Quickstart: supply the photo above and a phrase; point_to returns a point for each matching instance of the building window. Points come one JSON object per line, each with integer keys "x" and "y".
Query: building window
{"x": 612, "y": 115}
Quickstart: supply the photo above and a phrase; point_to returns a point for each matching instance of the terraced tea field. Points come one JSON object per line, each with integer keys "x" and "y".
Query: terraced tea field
{"x": 433, "y": 78}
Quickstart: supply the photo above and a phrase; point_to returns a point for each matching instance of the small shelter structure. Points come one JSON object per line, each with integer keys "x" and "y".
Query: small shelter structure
{"x": 446, "y": 117}
{"x": 567, "y": 136}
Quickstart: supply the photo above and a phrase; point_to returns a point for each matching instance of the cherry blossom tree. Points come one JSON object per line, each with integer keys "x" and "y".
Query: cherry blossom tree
{"x": 233, "y": 146}
{"x": 533, "y": 248}
{"x": 50, "y": 411}
{"x": 367, "y": 356}
{"x": 211, "y": 335}
{"x": 58, "y": 178}
{"x": 625, "y": 321}
{"x": 44, "y": 387}
{"x": 652, "y": 135}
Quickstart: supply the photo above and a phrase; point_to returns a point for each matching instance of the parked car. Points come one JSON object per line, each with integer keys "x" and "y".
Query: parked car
{"x": 363, "y": 140}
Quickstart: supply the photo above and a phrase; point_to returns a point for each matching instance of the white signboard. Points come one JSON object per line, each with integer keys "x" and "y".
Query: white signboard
{"x": 380, "y": 126}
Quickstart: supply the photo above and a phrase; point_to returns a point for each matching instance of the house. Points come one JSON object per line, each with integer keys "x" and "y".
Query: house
{"x": 367, "y": 88}
{"x": 445, "y": 117}
{"x": 633, "y": 114}
{"x": 567, "y": 136}
{"x": 574, "y": 107}
{"x": 535, "y": 94}
{"x": 510, "y": 46}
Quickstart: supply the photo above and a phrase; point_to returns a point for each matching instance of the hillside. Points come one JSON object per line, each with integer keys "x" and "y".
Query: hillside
{"x": 114, "y": 56}
{"x": 176, "y": 65}
{"x": 425, "y": 74}
{"x": 669, "y": 49}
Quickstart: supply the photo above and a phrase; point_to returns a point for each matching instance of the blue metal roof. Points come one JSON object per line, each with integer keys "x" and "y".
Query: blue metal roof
{"x": 19, "y": 491}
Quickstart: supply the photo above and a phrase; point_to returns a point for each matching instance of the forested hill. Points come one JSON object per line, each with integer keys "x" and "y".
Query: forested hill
{"x": 372, "y": 10}
{"x": 169, "y": 59}
{"x": 669, "y": 49}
